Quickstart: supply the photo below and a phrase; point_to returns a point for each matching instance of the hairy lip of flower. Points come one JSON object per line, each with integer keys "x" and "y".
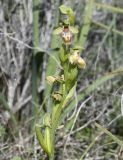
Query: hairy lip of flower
{"x": 66, "y": 35}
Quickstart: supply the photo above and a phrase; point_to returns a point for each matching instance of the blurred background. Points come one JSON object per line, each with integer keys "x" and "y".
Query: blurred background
{"x": 99, "y": 87}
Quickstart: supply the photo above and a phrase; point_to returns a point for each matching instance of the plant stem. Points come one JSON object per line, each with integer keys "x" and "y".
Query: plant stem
{"x": 34, "y": 62}
{"x": 51, "y": 157}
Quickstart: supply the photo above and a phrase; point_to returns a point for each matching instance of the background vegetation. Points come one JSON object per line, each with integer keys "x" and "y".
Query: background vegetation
{"x": 25, "y": 95}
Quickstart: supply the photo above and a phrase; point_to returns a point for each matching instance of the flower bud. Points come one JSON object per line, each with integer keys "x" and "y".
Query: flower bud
{"x": 57, "y": 96}
{"x": 77, "y": 60}
{"x": 81, "y": 63}
{"x": 52, "y": 79}
{"x": 73, "y": 59}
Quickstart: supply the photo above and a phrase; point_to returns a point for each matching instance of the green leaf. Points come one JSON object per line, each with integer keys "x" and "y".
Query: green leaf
{"x": 40, "y": 138}
{"x": 69, "y": 96}
{"x": 73, "y": 29}
{"x": 57, "y": 31}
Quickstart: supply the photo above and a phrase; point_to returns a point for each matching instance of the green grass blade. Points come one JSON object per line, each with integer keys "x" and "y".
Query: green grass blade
{"x": 107, "y": 28}
{"x": 109, "y": 7}
{"x": 87, "y": 21}
{"x": 88, "y": 148}
{"x": 52, "y": 65}
{"x": 117, "y": 140}
{"x": 41, "y": 138}
{"x": 34, "y": 60}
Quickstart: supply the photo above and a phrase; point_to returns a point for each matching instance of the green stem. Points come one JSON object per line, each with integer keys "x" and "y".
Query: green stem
{"x": 34, "y": 62}
{"x": 51, "y": 157}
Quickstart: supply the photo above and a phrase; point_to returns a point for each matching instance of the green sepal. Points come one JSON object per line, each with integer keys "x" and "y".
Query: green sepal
{"x": 68, "y": 11}
{"x": 57, "y": 31}
{"x": 73, "y": 30}
{"x": 71, "y": 16}
{"x": 78, "y": 47}
{"x": 64, "y": 9}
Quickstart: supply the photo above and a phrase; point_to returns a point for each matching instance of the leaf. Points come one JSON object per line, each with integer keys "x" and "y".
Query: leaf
{"x": 69, "y": 96}
{"x": 57, "y": 31}
{"x": 41, "y": 138}
{"x": 73, "y": 29}
{"x": 51, "y": 68}
{"x": 122, "y": 104}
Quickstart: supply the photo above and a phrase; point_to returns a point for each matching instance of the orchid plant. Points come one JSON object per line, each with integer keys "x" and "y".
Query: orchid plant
{"x": 71, "y": 62}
